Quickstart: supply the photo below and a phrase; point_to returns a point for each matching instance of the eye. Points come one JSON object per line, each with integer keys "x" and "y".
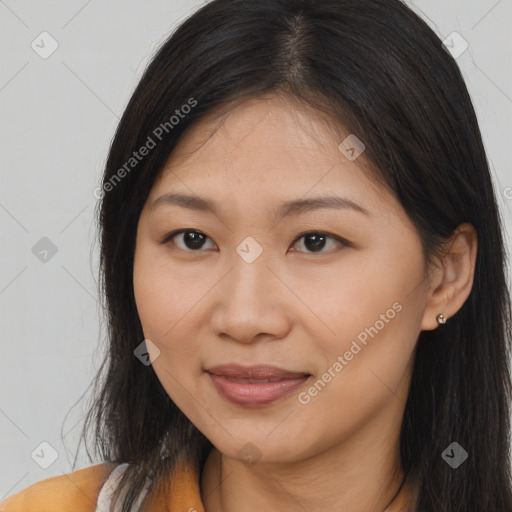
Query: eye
{"x": 316, "y": 240}
{"x": 193, "y": 240}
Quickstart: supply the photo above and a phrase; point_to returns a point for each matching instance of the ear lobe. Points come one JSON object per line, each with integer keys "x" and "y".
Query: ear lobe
{"x": 453, "y": 276}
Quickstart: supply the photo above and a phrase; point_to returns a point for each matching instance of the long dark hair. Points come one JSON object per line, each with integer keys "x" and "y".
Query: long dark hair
{"x": 383, "y": 74}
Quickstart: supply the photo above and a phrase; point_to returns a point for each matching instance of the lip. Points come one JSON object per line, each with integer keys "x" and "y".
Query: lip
{"x": 262, "y": 371}
{"x": 233, "y": 382}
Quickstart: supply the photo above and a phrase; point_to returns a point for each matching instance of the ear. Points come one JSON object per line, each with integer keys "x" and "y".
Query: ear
{"x": 451, "y": 280}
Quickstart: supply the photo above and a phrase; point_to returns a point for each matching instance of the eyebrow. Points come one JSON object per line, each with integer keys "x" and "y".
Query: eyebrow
{"x": 288, "y": 208}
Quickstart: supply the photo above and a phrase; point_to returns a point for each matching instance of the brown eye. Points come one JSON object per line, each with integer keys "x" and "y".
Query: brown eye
{"x": 193, "y": 241}
{"x": 316, "y": 241}
{"x": 189, "y": 239}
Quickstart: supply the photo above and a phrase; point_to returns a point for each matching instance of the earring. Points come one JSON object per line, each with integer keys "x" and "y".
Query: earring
{"x": 441, "y": 319}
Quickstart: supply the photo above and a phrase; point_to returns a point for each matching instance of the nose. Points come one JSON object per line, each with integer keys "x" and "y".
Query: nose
{"x": 251, "y": 303}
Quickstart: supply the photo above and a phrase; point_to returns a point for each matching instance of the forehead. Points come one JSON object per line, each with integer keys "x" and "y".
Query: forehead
{"x": 271, "y": 148}
{"x": 272, "y": 132}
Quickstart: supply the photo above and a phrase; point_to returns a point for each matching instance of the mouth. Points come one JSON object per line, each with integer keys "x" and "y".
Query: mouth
{"x": 252, "y": 386}
{"x": 255, "y": 372}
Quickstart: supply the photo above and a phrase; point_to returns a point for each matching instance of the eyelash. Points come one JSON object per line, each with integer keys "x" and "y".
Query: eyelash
{"x": 344, "y": 243}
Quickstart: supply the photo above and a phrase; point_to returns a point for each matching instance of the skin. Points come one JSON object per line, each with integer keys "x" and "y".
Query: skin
{"x": 295, "y": 307}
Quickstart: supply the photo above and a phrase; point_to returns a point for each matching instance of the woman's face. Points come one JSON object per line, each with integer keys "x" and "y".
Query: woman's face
{"x": 269, "y": 271}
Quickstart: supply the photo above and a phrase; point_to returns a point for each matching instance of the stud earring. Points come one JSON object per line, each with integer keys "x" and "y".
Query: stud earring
{"x": 441, "y": 319}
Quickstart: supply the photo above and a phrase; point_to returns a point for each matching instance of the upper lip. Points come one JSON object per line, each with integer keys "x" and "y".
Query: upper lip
{"x": 254, "y": 372}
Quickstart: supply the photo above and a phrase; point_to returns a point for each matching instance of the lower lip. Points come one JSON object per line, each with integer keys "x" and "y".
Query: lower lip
{"x": 264, "y": 393}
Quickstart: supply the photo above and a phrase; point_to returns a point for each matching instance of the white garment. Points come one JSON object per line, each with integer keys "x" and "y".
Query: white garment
{"x": 110, "y": 485}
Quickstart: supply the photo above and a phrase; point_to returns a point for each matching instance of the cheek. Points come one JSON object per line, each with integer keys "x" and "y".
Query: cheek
{"x": 155, "y": 301}
{"x": 169, "y": 307}
{"x": 164, "y": 296}
{"x": 367, "y": 369}
{"x": 165, "y": 308}
{"x": 374, "y": 318}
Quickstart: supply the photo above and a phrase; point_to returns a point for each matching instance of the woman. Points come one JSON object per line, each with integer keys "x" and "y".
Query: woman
{"x": 303, "y": 266}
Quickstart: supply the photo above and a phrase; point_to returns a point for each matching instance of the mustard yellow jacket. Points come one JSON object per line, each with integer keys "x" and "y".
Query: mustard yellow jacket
{"x": 78, "y": 492}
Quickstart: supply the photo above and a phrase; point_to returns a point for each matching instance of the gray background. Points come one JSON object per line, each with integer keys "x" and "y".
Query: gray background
{"x": 58, "y": 118}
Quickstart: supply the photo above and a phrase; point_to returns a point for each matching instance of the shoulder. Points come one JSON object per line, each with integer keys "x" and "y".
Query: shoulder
{"x": 77, "y": 491}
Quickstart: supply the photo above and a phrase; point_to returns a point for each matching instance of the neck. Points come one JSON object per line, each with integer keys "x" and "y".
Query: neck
{"x": 361, "y": 474}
